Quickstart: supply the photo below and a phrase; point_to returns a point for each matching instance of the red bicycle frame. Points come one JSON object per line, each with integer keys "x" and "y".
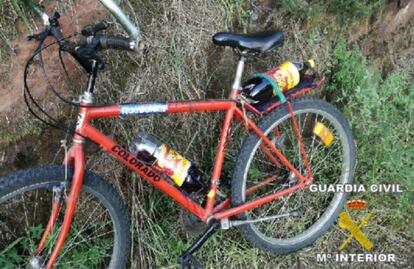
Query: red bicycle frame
{"x": 84, "y": 128}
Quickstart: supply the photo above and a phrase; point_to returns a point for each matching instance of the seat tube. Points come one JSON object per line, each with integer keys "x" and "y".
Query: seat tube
{"x": 221, "y": 149}
{"x": 218, "y": 162}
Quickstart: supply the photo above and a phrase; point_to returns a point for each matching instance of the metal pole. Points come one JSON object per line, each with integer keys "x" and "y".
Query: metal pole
{"x": 111, "y": 5}
{"x": 38, "y": 10}
{"x": 122, "y": 18}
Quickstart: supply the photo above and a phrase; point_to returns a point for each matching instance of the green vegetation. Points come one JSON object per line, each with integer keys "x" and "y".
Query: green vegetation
{"x": 20, "y": 11}
{"x": 352, "y": 9}
{"x": 237, "y": 16}
{"x": 9, "y": 137}
{"x": 294, "y": 8}
{"x": 12, "y": 11}
{"x": 84, "y": 255}
{"x": 381, "y": 112}
{"x": 345, "y": 10}
{"x": 12, "y": 255}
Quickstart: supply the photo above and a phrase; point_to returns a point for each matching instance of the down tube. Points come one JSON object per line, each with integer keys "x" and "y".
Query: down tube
{"x": 145, "y": 171}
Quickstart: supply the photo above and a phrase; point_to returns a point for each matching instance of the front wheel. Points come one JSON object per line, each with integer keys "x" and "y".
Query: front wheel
{"x": 330, "y": 148}
{"x": 99, "y": 236}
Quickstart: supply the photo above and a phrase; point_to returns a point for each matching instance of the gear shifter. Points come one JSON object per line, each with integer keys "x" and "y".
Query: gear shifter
{"x": 92, "y": 29}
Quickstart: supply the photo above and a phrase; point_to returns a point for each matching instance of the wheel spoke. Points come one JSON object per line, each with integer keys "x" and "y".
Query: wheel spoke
{"x": 91, "y": 239}
{"x": 326, "y": 163}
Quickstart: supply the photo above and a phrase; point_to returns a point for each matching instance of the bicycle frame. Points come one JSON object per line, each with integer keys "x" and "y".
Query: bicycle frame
{"x": 232, "y": 109}
{"x": 153, "y": 176}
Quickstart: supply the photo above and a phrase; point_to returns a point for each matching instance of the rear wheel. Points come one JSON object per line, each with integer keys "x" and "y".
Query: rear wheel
{"x": 99, "y": 236}
{"x": 330, "y": 163}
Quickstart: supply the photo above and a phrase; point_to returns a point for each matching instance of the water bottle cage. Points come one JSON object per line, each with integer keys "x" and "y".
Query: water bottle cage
{"x": 276, "y": 88}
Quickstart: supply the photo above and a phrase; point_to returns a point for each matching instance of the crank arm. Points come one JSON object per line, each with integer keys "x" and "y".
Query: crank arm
{"x": 226, "y": 223}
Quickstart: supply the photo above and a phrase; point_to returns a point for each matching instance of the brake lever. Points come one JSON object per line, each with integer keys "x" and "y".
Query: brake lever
{"x": 92, "y": 29}
{"x": 40, "y": 36}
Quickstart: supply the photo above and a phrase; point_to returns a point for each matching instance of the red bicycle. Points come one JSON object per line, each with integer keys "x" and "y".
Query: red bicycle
{"x": 69, "y": 217}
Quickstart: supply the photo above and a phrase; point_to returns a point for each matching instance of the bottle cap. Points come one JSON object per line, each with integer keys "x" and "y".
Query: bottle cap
{"x": 311, "y": 63}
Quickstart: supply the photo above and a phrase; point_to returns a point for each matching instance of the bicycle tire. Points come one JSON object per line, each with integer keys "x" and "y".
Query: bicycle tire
{"x": 248, "y": 150}
{"x": 46, "y": 177}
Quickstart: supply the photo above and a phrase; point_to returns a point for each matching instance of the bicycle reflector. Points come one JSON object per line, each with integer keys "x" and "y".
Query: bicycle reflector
{"x": 323, "y": 133}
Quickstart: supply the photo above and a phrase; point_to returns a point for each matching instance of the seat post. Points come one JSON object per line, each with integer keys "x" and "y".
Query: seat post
{"x": 237, "y": 79}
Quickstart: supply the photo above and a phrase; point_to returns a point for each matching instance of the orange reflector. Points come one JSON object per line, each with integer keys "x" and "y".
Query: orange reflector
{"x": 211, "y": 194}
{"x": 323, "y": 133}
{"x": 356, "y": 204}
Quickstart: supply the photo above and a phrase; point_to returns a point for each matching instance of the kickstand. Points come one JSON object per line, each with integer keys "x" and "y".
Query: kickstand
{"x": 186, "y": 259}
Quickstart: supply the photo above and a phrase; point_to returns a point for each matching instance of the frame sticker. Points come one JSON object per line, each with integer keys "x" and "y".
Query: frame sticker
{"x": 143, "y": 109}
{"x": 79, "y": 122}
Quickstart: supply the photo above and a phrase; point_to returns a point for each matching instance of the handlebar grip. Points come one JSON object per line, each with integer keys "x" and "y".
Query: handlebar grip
{"x": 115, "y": 42}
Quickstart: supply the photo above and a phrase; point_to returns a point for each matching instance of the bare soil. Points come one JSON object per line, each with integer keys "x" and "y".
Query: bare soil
{"x": 11, "y": 87}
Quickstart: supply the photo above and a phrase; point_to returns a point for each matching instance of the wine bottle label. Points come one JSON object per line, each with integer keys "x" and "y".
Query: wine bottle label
{"x": 311, "y": 63}
{"x": 282, "y": 79}
{"x": 173, "y": 164}
{"x": 286, "y": 76}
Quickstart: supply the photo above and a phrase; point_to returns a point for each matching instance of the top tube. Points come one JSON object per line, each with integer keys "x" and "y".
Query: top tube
{"x": 111, "y": 5}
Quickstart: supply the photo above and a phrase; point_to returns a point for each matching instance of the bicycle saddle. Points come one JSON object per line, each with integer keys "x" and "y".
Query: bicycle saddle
{"x": 258, "y": 42}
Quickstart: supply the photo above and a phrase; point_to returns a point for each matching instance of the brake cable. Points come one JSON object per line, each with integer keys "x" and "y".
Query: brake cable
{"x": 44, "y": 74}
{"x": 28, "y": 95}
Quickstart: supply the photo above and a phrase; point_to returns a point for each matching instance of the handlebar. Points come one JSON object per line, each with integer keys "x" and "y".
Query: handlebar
{"x": 85, "y": 51}
{"x": 116, "y": 42}
{"x": 111, "y": 5}
{"x": 102, "y": 42}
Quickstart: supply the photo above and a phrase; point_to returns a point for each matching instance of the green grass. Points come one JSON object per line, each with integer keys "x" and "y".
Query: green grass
{"x": 352, "y": 9}
{"x": 12, "y": 13}
{"x": 380, "y": 111}
{"x": 85, "y": 255}
{"x": 294, "y": 8}
{"x": 343, "y": 10}
{"x": 237, "y": 15}
{"x": 22, "y": 14}
{"x": 9, "y": 137}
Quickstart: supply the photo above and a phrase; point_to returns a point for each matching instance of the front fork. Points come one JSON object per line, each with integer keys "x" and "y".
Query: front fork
{"x": 76, "y": 158}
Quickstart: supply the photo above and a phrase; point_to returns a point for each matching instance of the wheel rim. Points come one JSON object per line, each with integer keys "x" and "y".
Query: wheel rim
{"x": 25, "y": 213}
{"x": 287, "y": 231}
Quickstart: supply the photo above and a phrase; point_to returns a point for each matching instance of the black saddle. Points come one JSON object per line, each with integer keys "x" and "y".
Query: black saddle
{"x": 259, "y": 42}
